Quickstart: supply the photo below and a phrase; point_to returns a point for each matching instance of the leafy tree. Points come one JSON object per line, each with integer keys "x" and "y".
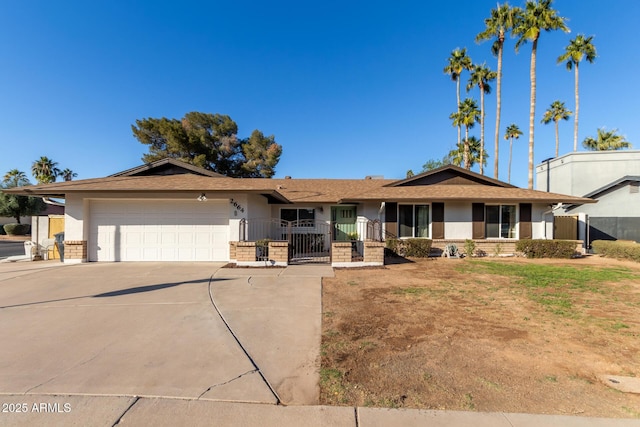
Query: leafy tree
{"x": 45, "y": 170}
{"x": 556, "y": 112}
{"x": 458, "y": 62}
{"x": 208, "y": 141}
{"x": 17, "y": 206}
{"x": 578, "y": 49}
{"x": 470, "y": 146}
{"x": 481, "y": 75}
{"x": 606, "y": 141}
{"x": 513, "y": 131}
{"x": 261, "y": 153}
{"x": 432, "y": 164}
{"x": 410, "y": 173}
{"x": 68, "y": 174}
{"x": 502, "y": 20}
{"x": 467, "y": 116}
{"x": 537, "y": 16}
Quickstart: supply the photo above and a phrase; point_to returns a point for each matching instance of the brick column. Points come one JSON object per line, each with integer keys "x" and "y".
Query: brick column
{"x": 246, "y": 252}
{"x": 279, "y": 252}
{"x": 232, "y": 251}
{"x": 374, "y": 252}
{"x": 75, "y": 251}
{"x": 340, "y": 254}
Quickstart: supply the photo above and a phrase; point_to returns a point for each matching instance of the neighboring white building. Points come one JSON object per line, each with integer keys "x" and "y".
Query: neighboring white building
{"x": 610, "y": 177}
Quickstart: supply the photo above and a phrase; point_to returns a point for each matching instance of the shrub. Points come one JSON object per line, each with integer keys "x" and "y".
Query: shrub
{"x": 416, "y": 248}
{"x": 546, "y": 248}
{"x": 262, "y": 250}
{"x": 469, "y": 247}
{"x": 17, "y": 229}
{"x": 617, "y": 249}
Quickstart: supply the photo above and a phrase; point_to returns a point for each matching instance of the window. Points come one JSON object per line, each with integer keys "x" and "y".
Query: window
{"x": 305, "y": 217}
{"x": 413, "y": 220}
{"x": 501, "y": 221}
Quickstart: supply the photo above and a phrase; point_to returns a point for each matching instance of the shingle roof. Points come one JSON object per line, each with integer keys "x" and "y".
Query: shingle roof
{"x": 302, "y": 190}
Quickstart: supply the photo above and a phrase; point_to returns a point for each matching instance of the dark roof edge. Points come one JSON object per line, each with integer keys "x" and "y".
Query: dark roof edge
{"x": 148, "y": 166}
{"x": 631, "y": 178}
{"x": 457, "y": 169}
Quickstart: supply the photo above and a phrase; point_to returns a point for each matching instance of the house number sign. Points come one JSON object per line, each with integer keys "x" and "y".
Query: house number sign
{"x": 237, "y": 205}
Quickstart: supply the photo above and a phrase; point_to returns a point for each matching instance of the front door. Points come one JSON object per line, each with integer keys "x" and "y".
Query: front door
{"x": 344, "y": 223}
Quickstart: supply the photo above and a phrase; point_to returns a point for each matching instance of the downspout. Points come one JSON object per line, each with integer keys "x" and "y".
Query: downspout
{"x": 544, "y": 214}
{"x": 382, "y": 223}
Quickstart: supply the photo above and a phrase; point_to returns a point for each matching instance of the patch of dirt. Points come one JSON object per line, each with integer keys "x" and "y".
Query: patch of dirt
{"x": 448, "y": 334}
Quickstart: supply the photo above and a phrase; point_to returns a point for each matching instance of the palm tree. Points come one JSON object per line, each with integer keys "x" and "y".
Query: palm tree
{"x": 68, "y": 174}
{"x": 537, "y": 16}
{"x": 606, "y": 141}
{"x": 458, "y": 61}
{"x": 556, "y": 112}
{"x": 513, "y": 131}
{"x": 456, "y": 156}
{"x": 481, "y": 75}
{"x": 502, "y": 20}
{"x": 15, "y": 178}
{"x": 467, "y": 116}
{"x": 45, "y": 170}
{"x": 578, "y": 49}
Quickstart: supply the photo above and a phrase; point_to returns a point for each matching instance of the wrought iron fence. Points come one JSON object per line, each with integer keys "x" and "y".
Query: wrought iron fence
{"x": 309, "y": 240}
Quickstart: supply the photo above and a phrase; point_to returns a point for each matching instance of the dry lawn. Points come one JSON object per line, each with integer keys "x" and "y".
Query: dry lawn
{"x": 510, "y": 335}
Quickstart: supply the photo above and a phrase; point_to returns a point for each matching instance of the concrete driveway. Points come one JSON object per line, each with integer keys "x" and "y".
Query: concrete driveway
{"x": 157, "y": 329}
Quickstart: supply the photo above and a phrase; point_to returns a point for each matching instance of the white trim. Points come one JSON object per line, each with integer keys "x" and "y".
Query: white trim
{"x": 413, "y": 226}
{"x": 356, "y": 264}
{"x": 516, "y": 224}
{"x": 261, "y": 264}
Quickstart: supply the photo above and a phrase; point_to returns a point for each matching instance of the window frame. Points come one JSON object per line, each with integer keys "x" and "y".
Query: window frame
{"x": 311, "y": 221}
{"x": 414, "y": 226}
{"x": 512, "y": 228}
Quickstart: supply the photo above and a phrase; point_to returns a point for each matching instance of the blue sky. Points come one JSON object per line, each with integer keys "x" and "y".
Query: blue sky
{"x": 348, "y": 88}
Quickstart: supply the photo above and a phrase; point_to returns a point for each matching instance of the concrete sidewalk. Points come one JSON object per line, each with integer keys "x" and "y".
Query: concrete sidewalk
{"x": 140, "y": 411}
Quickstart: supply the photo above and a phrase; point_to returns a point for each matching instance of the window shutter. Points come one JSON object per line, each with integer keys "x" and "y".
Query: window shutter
{"x": 437, "y": 220}
{"x": 525, "y": 221}
{"x": 477, "y": 218}
{"x": 391, "y": 219}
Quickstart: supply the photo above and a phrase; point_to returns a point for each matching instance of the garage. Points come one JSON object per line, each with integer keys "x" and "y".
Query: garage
{"x": 158, "y": 230}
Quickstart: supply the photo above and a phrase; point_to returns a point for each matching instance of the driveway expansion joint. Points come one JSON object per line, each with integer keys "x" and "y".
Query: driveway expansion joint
{"x": 244, "y": 350}
{"x": 137, "y": 398}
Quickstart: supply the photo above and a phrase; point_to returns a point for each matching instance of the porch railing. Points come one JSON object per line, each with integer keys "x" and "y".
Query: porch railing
{"x": 275, "y": 229}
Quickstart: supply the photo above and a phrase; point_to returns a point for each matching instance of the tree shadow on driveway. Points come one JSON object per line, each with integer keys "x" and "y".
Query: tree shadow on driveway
{"x": 121, "y": 292}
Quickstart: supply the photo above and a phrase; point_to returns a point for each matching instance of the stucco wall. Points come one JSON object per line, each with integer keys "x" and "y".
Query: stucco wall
{"x": 457, "y": 220}
{"x": 580, "y": 173}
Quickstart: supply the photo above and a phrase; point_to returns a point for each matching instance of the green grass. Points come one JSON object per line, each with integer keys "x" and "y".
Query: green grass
{"x": 551, "y": 285}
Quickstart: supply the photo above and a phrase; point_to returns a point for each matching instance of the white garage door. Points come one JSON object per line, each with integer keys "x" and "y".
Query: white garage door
{"x": 155, "y": 230}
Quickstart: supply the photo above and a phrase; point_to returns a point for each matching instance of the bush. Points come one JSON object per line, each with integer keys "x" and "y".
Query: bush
{"x": 415, "y": 248}
{"x": 17, "y": 229}
{"x": 546, "y": 248}
{"x": 617, "y": 249}
{"x": 262, "y": 250}
{"x": 469, "y": 247}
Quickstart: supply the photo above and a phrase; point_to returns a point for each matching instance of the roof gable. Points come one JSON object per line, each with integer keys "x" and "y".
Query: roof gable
{"x": 612, "y": 186}
{"x": 167, "y": 166}
{"x": 450, "y": 175}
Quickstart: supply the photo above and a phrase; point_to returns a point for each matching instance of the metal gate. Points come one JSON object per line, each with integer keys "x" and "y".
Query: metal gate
{"x": 309, "y": 241}
{"x": 565, "y": 227}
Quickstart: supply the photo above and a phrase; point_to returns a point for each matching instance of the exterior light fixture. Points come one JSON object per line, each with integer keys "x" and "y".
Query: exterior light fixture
{"x": 202, "y": 197}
